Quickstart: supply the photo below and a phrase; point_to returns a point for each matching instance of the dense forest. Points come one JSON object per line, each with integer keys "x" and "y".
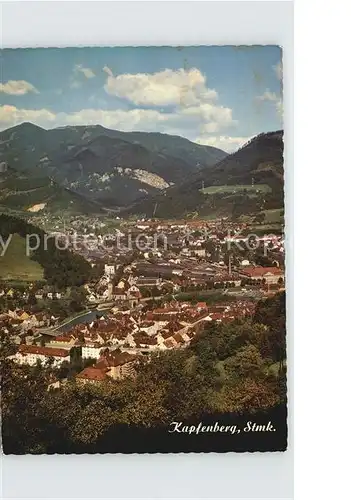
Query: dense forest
{"x": 82, "y": 156}
{"x": 62, "y": 268}
{"x": 230, "y": 373}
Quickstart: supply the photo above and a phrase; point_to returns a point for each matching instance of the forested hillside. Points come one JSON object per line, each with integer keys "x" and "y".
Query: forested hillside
{"x": 248, "y": 181}
{"x": 61, "y": 268}
{"x": 231, "y": 373}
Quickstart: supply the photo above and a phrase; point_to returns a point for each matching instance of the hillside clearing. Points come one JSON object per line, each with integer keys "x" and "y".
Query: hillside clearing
{"x": 16, "y": 266}
{"x": 275, "y": 215}
{"x": 237, "y": 188}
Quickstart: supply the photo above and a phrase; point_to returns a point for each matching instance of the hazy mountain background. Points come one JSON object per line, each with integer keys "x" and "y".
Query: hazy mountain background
{"x": 109, "y": 166}
{"x": 250, "y": 180}
{"x": 88, "y": 169}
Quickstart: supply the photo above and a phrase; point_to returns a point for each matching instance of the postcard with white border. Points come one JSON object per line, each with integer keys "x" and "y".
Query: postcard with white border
{"x": 142, "y": 261}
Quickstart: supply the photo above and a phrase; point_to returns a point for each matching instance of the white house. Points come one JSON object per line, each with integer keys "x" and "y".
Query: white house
{"x": 31, "y": 354}
{"x": 110, "y": 270}
{"x": 133, "y": 289}
{"x": 92, "y": 351}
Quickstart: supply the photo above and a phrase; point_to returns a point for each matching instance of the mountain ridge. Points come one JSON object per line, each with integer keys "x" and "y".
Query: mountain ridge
{"x": 257, "y": 166}
{"x": 72, "y": 155}
{"x": 21, "y": 192}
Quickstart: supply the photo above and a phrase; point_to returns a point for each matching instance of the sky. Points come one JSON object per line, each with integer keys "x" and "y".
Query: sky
{"x": 220, "y": 96}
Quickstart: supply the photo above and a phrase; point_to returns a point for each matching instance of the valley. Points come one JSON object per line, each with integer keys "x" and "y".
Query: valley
{"x": 92, "y": 170}
{"x": 142, "y": 267}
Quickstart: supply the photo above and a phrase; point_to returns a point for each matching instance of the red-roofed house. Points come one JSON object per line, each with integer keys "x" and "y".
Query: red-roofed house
{"x": 118, "y": 364}
{"x": 271, "y": 275}
{"x": 30, "y": 354}
{"x": 91, "y": 374}
{"x": 63, "y": 341}
{"x": 201, "y": 306}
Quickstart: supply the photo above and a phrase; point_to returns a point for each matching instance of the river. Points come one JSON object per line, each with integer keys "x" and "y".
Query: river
{"x": 88, "y": 317}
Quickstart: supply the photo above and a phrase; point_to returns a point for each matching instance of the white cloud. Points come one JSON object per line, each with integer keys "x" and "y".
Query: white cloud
{"x": 210, "y": 117}
{"x": 10, "y": 116}
{"x": 87, "y": 72}
{"x": 75, "y": 84}
{"x": 224, "y": 142}
{"x": 203, "y": 119}
{"x": 76, "y": 80}
{"x": 177, "y": 88}
{"x": 194, "y": 104}
{"x": 107, "y": 70}
{"x": 136, "y": 119}
{"x": 273, "y": 97}
{"x": 278, "y": 69}
{"x": 279, "y": 107}
{"x": 17, "y": 87}
{"x": 268, "y": 96}
{"x": 124, "y": 120}
{"x": 189, "y": 107}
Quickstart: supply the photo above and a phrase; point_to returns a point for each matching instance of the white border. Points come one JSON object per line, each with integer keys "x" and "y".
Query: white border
{"x": 258, "y": 475}
{"x": 322, "y": 178}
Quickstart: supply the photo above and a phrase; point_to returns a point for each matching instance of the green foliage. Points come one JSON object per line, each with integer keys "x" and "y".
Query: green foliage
{"x": 62, "y": 268}
{"x": 21, "y": 191}
{"x": 95, "y": 419}
{"x": 247, "y": 395}
{"x": 81, "y": 155}
{"x": 261, "y": 159}
{"x": 271, "y": 313}
{"x": 246, "y": 361}
{"x": 16, "y": 265}
{"x": 226, "y": 369}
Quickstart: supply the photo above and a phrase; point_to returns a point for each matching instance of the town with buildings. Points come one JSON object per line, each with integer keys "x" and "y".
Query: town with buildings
{"x": 142, "y": 248}
{"x": 145, "y": 299}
